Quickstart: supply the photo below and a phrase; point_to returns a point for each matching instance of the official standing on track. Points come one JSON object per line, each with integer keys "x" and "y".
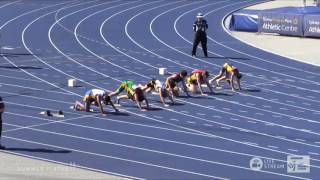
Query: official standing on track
{"x": 1, "y": 111}
{"x": 200, "y": 27}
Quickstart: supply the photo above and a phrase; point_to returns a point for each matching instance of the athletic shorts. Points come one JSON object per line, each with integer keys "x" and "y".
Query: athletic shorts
{"x": 171, "y": 84}
{"x": 87, "y": 104}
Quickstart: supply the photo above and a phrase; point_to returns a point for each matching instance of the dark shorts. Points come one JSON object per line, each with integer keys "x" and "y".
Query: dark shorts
{"x": 87, "y": 104}
{"x": 171, "y": 84}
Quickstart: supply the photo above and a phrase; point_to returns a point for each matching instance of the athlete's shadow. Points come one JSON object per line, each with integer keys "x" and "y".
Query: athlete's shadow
{"x": 251, "y": 90}
{"x": 170, "y": 103}
{"x": 16, "y": 54}
{"x": 236, "y": 58}
{"x": 39, "y": 150}
{"x": 154, "y": 109}
{"x": 220, "y": 94}
{"x": 118, "y": 113}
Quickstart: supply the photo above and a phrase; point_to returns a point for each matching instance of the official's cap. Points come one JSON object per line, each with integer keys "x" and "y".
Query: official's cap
{"x": 200, "y": 15}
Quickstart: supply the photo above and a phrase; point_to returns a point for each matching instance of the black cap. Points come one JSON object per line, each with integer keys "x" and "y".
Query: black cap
{"x": 184, "y": 73}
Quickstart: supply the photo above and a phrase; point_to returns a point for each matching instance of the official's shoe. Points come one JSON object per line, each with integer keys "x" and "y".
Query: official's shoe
{"x": 2, "y": 147}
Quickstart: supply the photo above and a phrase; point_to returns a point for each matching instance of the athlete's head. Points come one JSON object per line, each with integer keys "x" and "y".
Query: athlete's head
{"x": 183, "y": 73}
{"x": 138, "y": 94}
{"x": 106, "y": 99}
{"x": 152, "y": 83}
{"x": 206, "y": 74}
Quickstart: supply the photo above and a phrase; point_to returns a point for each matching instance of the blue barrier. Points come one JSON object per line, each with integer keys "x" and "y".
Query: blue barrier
{"x": 246, "y": 20}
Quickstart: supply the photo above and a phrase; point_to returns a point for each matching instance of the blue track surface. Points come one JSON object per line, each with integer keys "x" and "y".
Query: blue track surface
{"x": 101, "y": 43}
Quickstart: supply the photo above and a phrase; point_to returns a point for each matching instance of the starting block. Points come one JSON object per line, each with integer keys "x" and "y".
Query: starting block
{"x": 162, "y": 71}
{"x": 71, "y": 82}
{"x": 58, "y": 114}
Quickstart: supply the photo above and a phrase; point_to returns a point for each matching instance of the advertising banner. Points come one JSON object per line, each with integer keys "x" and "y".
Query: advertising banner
{"x": 312, "y": 25}
{"x": 284, "y": 24}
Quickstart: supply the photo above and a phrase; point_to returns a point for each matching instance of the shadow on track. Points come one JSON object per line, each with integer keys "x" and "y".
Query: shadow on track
{"x": 236, "y": 58}
{"x": 19, "y": 67}
{"x": 38, "y": 150}
{"x": 16, "y": 54}
{"x": 251, "y": 90}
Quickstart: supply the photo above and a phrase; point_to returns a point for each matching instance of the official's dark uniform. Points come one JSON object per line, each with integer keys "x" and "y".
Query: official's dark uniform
{"x": 1, "y": 111}
{"x": 200, "y": 27}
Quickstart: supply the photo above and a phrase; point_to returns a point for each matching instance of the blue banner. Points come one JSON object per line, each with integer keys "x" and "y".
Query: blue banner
{"x": 312, "y": 25}
{"x": 284, "y": 24}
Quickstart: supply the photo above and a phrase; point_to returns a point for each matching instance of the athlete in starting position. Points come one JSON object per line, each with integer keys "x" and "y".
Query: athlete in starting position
{"x": 135, "y": 94}
{"x": 229, "y": 73}
{"x": 157, "y": 86}
{"x": 196, "y": 79}
{"x": 171, "y": 83}
{"x": 95, "y": 97}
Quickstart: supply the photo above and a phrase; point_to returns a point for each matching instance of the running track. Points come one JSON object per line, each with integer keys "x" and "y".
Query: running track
{"x": 101, "y": 43}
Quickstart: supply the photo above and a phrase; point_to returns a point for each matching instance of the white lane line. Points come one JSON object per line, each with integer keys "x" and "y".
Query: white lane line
{"x": 266, "y": 106}
{"x": 307, "y": 104}
{"x": 313, "y": 153}
{"x": 234, "y": 119}
{"x": 244, "y": 130}
{"x": 242, "y": 111}
{"x": 253, "y": 122}
{"x": 18, "y": 78}
{"x": 288, "y": 101}
{"x": 172, "y": 119}
{"x": 269, "y": 124}
{"x": 218, "y": 117}
{"x": 251, "y": 143}
{"x": 43, "y": 124}
{"x": 191, "y": 122}
{"x": 274, "y": 147}
{"x": 300, "y": 140}
{"x": 201, "y": 114}
{"x": 300, "y": 111}
{"x": 34, "y": 89}
{"x": 293, "y": 150}
{"x": 286, "y": 109}
{"x": 158, "y": 117}
{"x": 209, "y": 125}
{"x": 261, "y": 114}
{"x": 306, "y": 130}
